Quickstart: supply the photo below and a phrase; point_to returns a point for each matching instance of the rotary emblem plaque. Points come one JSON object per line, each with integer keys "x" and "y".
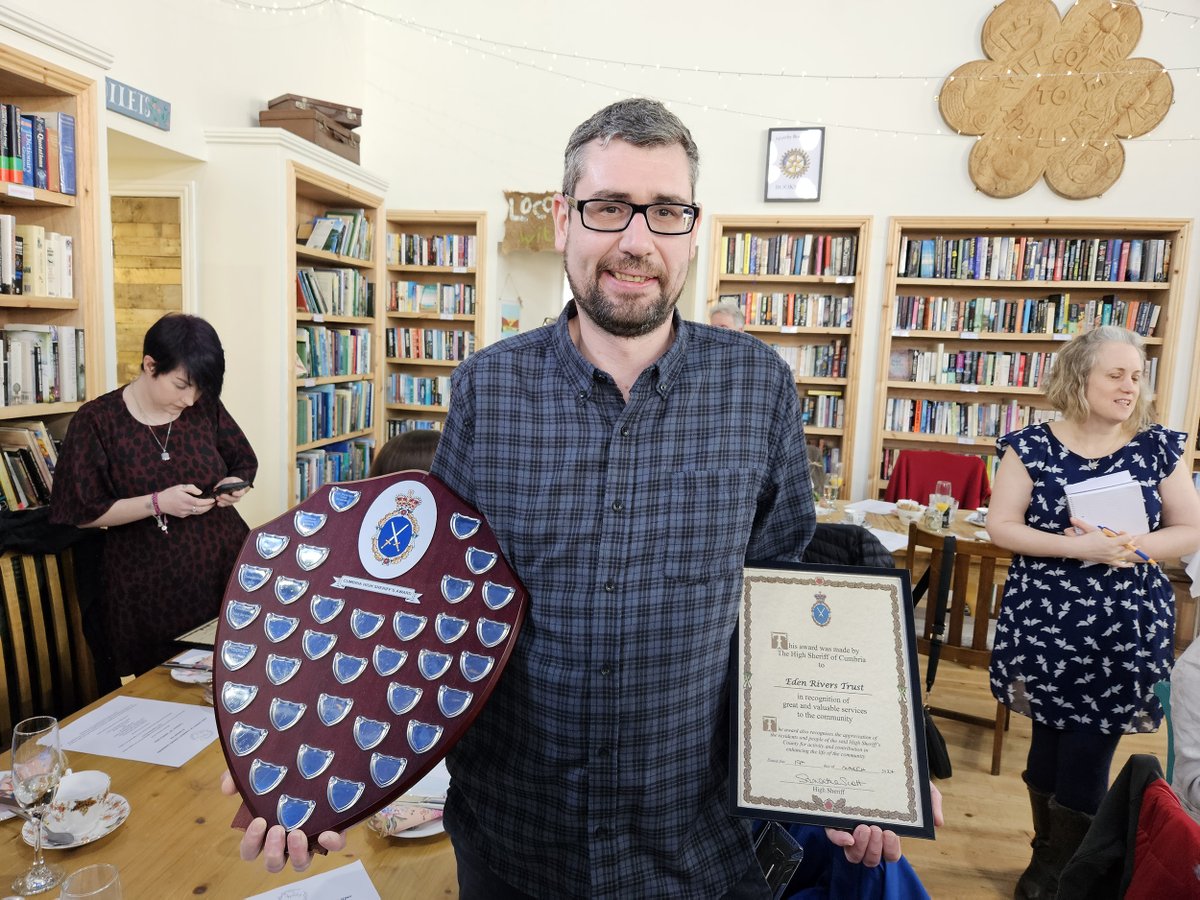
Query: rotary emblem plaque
{"x": 360, "y": 635}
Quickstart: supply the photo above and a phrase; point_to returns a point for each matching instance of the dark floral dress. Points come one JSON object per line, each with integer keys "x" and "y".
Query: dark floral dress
{"x": 1080, "y": 646}
{"x": 155, "y": 585}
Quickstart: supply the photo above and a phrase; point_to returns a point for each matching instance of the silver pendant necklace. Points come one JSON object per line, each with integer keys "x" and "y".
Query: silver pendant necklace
{"x": 162, "y": 445}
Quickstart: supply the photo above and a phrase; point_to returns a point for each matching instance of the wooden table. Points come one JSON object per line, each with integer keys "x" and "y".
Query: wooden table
{"x": 177, "y": 841}
{"x": 959, "y": 526}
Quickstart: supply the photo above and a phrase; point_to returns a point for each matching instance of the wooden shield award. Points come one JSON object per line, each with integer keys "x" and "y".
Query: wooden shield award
{"x": 360, "y": 635}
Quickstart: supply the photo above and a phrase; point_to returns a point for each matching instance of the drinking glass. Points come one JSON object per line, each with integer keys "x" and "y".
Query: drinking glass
{"x": 37, "y": 766}
{"x": 833, "y": 488}
{"x": 941, "y": 499}
{"x": 98, "y": 882}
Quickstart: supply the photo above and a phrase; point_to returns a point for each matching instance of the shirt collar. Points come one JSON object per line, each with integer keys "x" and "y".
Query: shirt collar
{"x": 582, "y": 374}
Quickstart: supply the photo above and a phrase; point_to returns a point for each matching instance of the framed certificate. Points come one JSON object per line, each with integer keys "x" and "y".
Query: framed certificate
{"x": 826, "y": 717}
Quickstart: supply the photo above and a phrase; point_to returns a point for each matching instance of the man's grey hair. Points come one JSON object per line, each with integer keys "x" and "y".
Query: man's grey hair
{"x": 638, "y": 121}
{"x": 729, "y": 308}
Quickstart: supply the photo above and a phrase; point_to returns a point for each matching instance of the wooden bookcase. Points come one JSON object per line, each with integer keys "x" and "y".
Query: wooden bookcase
{"x": 347, "y": 388}
{"x": 961, "y": 375}
{"x": 812, "y": 319}
{"x": 433, "y": 311}
{"x": 37, "y": 86}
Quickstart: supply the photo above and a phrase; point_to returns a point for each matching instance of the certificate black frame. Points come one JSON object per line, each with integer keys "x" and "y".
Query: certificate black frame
{"x": 925, "y": 830}
{"x": 775, "y": 135}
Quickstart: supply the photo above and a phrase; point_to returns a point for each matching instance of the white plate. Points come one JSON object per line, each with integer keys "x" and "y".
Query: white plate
{"x": 6, "y": 788}
{"x": 974, "y": 519}
{"x": 115, "y": 812}
{"x": 429, "y": 829}
{"x": 192, "y": 676}
{"x": 983, "y": 536}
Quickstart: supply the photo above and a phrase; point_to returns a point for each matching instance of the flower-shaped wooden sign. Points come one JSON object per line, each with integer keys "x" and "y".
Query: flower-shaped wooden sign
{"x": 1055, "y": 96}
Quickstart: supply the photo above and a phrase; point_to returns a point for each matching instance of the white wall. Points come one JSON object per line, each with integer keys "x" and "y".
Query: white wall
{"x": 450, "y": 128}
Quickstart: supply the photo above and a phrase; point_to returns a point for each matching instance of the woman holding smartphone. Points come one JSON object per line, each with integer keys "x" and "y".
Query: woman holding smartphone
{"x": 160, "y": 464}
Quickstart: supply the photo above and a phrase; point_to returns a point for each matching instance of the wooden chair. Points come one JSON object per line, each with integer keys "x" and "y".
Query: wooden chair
{"x": 46, "y": 667}
{"x": 978, "y": 574}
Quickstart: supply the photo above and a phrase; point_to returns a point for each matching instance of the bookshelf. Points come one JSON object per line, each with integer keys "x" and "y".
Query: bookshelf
{"x": 433, "y": 311}
{"x": 72, "y": 311}
{"x": 803, "y": 296}
{"x": 975, "y": 309}
{"x": 335, "y": 370}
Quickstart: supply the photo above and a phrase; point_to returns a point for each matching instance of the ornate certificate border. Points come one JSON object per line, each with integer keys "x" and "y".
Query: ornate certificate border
{"x": 826, "y": 719}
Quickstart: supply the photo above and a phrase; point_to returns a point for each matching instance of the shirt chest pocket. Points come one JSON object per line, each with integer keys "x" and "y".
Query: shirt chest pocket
{"x": 713, "y": 511}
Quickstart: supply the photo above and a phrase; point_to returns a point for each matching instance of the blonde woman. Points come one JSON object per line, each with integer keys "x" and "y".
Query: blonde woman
{"x": 1087, "y": 624}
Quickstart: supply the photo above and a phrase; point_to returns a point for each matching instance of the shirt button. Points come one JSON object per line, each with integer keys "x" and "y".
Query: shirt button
{"x": 582, "y": 395}
{"x": 606, "y": 669}
{"x": 609, "y": 587}
{"x": 600, "y": 831}
{"x": 617, "y": 506}
{"x": 624, "y": 431}
{"x": 603, "y": 752}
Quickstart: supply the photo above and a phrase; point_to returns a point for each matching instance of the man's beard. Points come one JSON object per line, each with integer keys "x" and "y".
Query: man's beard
{"x": 622, "y": 319}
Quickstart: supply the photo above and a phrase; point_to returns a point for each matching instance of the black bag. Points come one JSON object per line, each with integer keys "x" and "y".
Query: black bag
{"x": 935, "y": 749}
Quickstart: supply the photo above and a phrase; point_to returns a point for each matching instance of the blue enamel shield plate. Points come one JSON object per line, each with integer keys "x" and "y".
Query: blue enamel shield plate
{"x": 361, "y": 634}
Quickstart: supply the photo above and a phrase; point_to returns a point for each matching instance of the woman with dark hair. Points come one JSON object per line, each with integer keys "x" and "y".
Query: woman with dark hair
{"x": 147, "y": 462}
{"x": 1086, "y": 626}
{"x": 411, "y": 449}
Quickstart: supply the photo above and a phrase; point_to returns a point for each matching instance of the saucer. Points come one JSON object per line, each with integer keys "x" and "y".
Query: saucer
{"x": 116, "y": 811}
{"x": 974, "y": 519}
{"x": 983, "y": 536}
{"x": 5, "y": 788}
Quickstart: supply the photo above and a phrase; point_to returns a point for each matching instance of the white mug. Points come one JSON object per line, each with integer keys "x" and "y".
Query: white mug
{"x": 854, "y": 516}
{"x": 79, "y": 802}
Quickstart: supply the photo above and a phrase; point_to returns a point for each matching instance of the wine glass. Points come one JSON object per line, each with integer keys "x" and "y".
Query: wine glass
{"x": 37, "y": 766}
{"x": 941, "y": 499}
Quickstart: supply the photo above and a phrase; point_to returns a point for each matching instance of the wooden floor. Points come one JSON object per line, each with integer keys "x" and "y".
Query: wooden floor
{"x": 984, "y": 845}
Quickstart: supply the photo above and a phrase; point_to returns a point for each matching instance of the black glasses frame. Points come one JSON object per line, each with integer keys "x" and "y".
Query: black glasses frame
{"x": 643, "y": 208}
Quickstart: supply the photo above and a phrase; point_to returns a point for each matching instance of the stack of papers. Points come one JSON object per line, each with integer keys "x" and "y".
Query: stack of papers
{"x": 1111, "y": 501}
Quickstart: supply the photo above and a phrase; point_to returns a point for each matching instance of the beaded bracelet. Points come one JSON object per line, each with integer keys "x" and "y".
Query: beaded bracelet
{"x": 159, "y": 516}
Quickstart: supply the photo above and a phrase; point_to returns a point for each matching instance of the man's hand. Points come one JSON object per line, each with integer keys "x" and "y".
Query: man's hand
{"x": 276, "y": 844}
{"x": 870, "y": 844}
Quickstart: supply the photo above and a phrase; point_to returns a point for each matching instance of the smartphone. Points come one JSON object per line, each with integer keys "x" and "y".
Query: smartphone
{"x": 227, "y": 488}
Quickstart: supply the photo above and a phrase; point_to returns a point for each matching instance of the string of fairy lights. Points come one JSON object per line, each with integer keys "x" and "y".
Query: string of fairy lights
{"x": 550, "y": 61}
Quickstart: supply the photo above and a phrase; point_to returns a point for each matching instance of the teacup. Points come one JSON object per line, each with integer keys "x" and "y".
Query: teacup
{"x": 79, "y": 802}
{"x": 854, "y": 516}
{"x": 981, "y": 513}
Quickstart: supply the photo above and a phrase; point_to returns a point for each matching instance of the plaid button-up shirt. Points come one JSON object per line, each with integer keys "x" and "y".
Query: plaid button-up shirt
{"x": 599, "y": 767}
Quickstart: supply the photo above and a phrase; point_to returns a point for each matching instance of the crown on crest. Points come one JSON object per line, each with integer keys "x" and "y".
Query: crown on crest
{"x": 406, "y": 503}
{"x": 819, "y": 597}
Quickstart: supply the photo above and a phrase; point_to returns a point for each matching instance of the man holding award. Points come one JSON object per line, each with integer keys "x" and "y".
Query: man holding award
{"x": 629, "y": 463}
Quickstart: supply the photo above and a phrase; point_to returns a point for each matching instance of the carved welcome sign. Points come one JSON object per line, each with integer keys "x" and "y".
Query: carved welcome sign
{"x": 1055, "y": 96}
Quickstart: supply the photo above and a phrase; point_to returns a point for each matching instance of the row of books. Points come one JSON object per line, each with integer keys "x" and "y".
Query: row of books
{"x": 334, "y": 292}
{"x": 325, "y": 351}
{"x": 327, "y": 410}
{"x": 428, "y": 343}
{"x": 341, "y": 461}
{"x": 419, "y": 391}
{"x": 1012, "y": 258}
{"x": 399, "y": 426}
{"x": 823, "y": 409}
{"x": 794, "y": 310}
{"x": 971, "y": 367}
{"x": 35, "y": 261}
{"x": 431, "y": 299}
{"x": 887, "y": 463}
{"x": 37, "y": 149}
{"x": 28, "y": 457}
{"x": 961, "y": 419}
{"x": 41, "y": 364}
{"x": 346, "y": 232}
{"x": 1056, "y": 314}
{"x": 816, "y": 360}
{"x": 789, "y": 254}
{"x": 450, "y": 250}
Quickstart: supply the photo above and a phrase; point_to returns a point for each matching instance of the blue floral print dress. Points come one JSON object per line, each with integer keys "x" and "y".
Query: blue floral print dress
{"x": 1080, "y": 646}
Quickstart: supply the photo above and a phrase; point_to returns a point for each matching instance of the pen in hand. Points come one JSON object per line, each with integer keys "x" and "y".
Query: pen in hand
{"x": 1128, "y": 546}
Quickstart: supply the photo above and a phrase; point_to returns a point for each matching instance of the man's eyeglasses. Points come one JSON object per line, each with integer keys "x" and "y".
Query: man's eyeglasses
{"x": 615, "y": 215}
